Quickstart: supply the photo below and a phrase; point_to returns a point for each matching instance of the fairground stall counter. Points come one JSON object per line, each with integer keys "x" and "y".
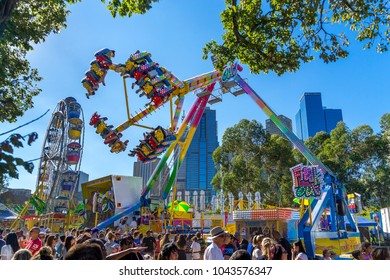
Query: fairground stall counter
{"x": 264, "y": 221}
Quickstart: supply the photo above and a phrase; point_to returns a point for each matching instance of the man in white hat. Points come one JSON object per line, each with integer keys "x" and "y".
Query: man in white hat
{"x": 213, "y": 251}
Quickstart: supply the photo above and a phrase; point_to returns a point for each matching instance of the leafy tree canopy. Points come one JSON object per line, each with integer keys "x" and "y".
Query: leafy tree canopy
{"x": 270, "y": 35}
{"x": 359, "y": 158}
{"x": 279, "y": 35}
{"x": 128, "y": 7}
{"x": 22, "y": 24}
{"x": 250, "y": 160}
{"x": 8, "y": 163}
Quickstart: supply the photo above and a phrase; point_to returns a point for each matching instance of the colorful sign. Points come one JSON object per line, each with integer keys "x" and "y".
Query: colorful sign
{"x": 307, "y": 181}
{"x": 230, "y": 72}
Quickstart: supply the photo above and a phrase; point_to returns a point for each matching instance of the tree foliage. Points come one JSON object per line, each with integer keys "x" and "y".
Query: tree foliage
{"x": 359, "y": 158}
{"x": 8, "y": 163}
{"x": 279, "y": 35}
{"x": 128, "y": 7}
{"x": 270, "y": 35}
{"x": 250, "y": 160}
{"x": 22, "y": 24}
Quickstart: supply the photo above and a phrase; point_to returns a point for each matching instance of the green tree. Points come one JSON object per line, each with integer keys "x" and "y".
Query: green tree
{"x": 8, "y": 163}
{"x": 279, "y": 35}
{"x": 128, "y": 7}
{"x": 271, "y": 35}
{"x": 236, "y": 159}
{"x": 278, "y": 158}
{"x": 359, "y": 159}
{"x": 385, "y": 125}
{"x": 250, "y": 160}
{"x": 22, "y": 24}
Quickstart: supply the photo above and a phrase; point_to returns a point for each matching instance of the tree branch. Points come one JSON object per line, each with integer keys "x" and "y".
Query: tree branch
{"x": 241, "y": 38}
{"x": 349, "y": 6}
{"x": 7, "y": 6}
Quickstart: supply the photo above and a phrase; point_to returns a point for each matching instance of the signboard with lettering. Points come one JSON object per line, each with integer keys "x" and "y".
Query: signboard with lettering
{"x": 307, "y": 181}
{"x": 230, "y": 72}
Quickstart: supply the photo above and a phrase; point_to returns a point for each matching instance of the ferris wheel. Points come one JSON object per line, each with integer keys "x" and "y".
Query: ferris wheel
{"x": 60, "y": 159}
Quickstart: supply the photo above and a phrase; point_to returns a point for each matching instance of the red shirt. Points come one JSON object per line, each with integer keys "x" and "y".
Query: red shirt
{"x": 34, "y": 246}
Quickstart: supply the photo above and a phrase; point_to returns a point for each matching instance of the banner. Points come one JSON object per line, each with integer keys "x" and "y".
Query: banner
{"x": 307, "y": 181}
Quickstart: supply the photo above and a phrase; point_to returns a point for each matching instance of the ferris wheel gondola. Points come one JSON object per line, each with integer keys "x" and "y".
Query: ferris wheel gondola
{"x": 60, "y": 158}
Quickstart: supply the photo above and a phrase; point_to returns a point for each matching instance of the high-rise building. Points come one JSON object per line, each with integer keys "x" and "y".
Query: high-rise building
{"x": 332, "y": 117}
{"x": 312, "y": 117}
{"x": 271, "y": 127}
{"x": 83, "y": 178}
{"x": 145, "y": 171}
{"x": 198, "y": 167}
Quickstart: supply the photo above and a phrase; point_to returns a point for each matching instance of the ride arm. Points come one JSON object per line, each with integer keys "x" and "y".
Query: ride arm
{"x": 285, "y": 130}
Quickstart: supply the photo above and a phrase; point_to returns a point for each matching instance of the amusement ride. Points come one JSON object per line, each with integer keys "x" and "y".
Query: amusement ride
{"x": 58, "y": 169}
{"x": 160, "y": 86}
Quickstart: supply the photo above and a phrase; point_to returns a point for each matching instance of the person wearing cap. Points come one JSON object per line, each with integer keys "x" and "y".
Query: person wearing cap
{"x": 42, "y": 236}
{"x": 35, "y": 243}
{"x": 213, "y": 251}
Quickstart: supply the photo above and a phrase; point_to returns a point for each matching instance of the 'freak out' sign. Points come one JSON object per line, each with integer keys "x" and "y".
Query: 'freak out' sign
{"x": 307, "y": 181}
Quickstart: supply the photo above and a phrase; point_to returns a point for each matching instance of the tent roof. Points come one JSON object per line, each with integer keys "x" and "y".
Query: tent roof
{"x": 363, "y": 222}
{"x": 6, "y": 213}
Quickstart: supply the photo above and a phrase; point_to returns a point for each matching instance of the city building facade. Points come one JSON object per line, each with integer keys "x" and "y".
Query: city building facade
{"x": 198, "y": 168}
{"x": 145, "y": 171}
{"x": 271, "y": 127}
{"x": 83, "y": 178}
{"x": 312, "y": 117}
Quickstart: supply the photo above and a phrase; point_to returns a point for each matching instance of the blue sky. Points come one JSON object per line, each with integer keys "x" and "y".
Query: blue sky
{"x": 175, "y": 32}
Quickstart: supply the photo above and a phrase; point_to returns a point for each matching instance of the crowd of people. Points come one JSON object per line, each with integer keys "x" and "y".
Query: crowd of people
{"x": 128, "y": 243}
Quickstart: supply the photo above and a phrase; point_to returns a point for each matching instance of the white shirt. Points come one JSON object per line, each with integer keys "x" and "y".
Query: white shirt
{"x": 195, "y": 246}
{"x": 133, "y": 224}
{"x": 213, "y": 252}
{"x": 123, "y": 227}
{"x": 6, "y": 252}
{"x": 256, "y": 254}
{"x": 301, "y": 256}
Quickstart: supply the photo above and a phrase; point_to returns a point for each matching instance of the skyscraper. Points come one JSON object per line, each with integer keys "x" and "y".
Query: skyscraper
{"x": 78, "y": 196}
{"x": 198, "y": 167}
{"x": 271, "y": 127}
{"x": 145, "y": 171}
{"x": 312, "y": 117}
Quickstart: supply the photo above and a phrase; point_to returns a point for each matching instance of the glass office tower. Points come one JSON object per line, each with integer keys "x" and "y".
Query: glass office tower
{"x": 312, "y": 117}
{"x": 198, "y": 168}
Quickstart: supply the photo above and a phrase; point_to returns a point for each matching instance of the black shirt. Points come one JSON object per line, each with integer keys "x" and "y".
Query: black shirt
{"x": 149, "y": 242}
